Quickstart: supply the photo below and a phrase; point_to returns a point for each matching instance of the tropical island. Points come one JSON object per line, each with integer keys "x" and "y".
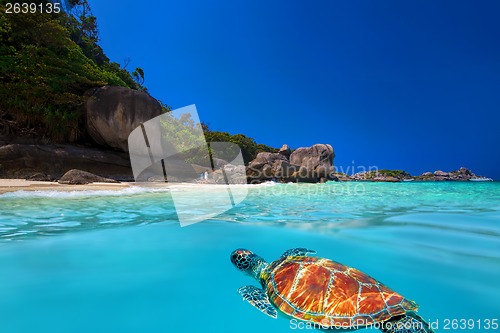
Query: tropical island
{"x": 64, "y": 105}
{"x": 341, "y": 93}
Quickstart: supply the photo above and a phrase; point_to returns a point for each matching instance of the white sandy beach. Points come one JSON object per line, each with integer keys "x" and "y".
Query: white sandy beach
{"x": 11, "y": 185}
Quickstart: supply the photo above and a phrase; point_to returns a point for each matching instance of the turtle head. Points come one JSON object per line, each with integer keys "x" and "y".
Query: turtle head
{"x": 248, "y": 262}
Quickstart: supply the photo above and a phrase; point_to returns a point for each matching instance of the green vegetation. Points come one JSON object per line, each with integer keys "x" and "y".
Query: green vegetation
{"x": 400, "y": 174}
{"x": 183, "y": 134}
{"x": 249, "y": 147}
{"x": 341, "y": 174}
{"x": 394, "y": 173}
{"x": 47, "y": 62}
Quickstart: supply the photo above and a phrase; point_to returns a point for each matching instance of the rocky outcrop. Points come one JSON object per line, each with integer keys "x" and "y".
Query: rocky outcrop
{"x": 79, "y": 177}
{"x": 285, "y": 150}
{"x": 267, "y": 166}
{"x": 312, "y": 164}
{"x": 385, "y": 178}
{"x": 229, "y": 174}
{"x": 462, "y": 174}
{"x": 52, "y": 161}
{"x": 113, "y": 112}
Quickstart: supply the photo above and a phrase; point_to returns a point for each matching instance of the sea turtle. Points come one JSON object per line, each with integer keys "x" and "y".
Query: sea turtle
{"x": 325, "y": 293}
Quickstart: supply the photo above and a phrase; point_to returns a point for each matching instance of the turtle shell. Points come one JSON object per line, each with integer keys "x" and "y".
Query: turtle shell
{"x": 331, "y": 294}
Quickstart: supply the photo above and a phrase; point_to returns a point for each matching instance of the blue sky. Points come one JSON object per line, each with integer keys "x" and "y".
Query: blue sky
{"x": 411, "y": 85}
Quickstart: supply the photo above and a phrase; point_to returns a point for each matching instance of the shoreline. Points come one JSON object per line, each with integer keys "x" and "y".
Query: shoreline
{"x": 13, "y": 185}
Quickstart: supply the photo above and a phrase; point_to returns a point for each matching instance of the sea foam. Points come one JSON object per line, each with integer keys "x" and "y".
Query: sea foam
{"x": 57, "y": 194}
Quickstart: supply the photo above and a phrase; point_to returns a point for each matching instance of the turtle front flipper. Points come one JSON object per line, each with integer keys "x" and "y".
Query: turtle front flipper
{"x": 410, "y": 323}
{"x": 258, "y": 298}
{"x": 297, "y": 251}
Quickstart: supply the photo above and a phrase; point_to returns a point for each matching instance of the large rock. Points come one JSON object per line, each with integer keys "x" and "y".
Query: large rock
{"x": 113, "y": 112}
{"x": 314, "y": 162}
{"x": 79, "y": 177}
{"x": 440, "y": 173}
{"x": 266, "y": 166}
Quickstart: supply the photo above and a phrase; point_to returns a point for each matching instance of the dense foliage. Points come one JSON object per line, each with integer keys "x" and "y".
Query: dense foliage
{"x": 401, "y": 174}
{"x": 187, "y": 137}
{"x": 249, "y": 147}
{"x": 47, "y": 62}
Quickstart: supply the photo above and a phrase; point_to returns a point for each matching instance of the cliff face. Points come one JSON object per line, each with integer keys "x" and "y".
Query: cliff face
{"x": 111, "y": 113}
{"x": 52, "y": 161}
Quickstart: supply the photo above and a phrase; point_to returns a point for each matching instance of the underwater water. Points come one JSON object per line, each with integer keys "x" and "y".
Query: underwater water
{"x": 118, "y": 261}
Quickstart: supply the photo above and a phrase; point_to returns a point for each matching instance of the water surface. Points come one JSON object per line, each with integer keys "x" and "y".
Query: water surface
{"x": 118, "y": 261}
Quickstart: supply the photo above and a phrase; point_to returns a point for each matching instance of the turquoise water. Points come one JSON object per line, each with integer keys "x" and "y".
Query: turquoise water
{"x": 107, "y": 261}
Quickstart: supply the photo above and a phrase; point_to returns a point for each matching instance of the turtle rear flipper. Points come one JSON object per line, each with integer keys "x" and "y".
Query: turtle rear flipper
{"x": 410, "y": 323}
{"x": 258, "y": 298}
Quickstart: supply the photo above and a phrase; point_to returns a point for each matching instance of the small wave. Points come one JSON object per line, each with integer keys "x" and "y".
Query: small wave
{"x": 268, "y": 183}
{"x": 58, "y": 194}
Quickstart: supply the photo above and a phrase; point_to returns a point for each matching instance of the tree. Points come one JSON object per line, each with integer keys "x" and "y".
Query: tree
{"x": 249, "y": 148}
{"x": 47, "y": 63}
{"x": 138, "y": 76}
